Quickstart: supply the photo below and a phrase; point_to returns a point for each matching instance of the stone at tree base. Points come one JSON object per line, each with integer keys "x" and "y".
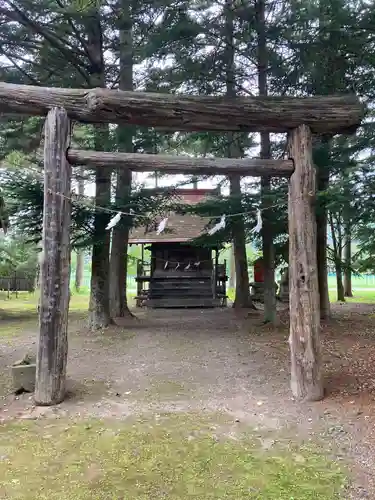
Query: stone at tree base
{"x": 284, "y": 287}
{"x": 257, "y": 291}
{"x": 23, "y": 376}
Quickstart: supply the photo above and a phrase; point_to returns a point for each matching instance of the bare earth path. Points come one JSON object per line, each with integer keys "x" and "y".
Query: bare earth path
{"x": 218, "y": 360}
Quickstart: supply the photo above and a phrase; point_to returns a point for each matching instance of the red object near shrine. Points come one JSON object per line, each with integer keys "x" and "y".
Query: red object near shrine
{"x": 258, "y": 271}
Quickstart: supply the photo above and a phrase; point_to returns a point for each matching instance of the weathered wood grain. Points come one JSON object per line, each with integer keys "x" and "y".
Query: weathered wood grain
{"x": 55, "y": 265}
{"x": 138, "y": 162}
{"x": 306, "y": 377}
{"x": 323, "y": 114}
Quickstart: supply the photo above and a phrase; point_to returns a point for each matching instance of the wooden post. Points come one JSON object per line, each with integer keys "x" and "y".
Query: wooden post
{"x": 55, "y": 266}
{"x": 225, "y": 284}
{"x": 139, "y": 283}
{"x": 306, "y": 377}
{"x": 216, "y": 271}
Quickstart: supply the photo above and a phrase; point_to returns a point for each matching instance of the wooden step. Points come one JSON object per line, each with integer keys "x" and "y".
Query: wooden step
{"x": 180, "y": 284}
{"x": 182, "y": 296}
{"x": 182, "y": 303}
{"x": 182, "y": 290}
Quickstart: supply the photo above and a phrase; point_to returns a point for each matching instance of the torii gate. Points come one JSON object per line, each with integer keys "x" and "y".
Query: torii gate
{"x": 299, "y": 117}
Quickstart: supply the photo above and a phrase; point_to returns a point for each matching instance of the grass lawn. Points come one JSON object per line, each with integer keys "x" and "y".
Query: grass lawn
{"x": 28, "y": 302}
{"x": 19, "y": 314}
{"x": 359, "y": 296}
{"x": 168, "y": 457}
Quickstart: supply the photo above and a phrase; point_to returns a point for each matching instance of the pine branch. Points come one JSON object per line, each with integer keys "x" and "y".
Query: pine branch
{"x": 18, "y": 16}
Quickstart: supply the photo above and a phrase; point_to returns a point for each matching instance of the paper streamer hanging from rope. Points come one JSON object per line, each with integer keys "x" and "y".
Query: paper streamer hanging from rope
{"x": 114, "y": 221}
{"x": 162, "y": 226}
{"x": 258, "y": 227}
{"x": 218, "y": 227}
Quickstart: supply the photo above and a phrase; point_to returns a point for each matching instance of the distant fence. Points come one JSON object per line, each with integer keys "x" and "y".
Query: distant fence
{"x": 86, "y": 282}
{"x": 359, "y": 281}
{"x": 16, "y": 284}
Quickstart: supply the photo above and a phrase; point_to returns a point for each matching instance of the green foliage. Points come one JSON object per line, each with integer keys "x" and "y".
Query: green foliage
{"x": 314, "y": 47}
{"x": 24, "y": 191}
{"x": 81, "y": 6}
{"x": 17, "y": 256}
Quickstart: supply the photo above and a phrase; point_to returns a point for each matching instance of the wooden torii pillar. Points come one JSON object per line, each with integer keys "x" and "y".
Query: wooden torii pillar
{"x": 55, "y": 266}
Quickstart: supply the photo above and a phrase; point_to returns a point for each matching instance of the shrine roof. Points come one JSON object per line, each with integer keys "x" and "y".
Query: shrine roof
{"x": 180, "y": 228}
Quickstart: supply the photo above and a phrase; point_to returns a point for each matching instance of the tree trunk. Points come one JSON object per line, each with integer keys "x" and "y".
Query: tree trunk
{"x": 242, "y": 295}
{"x": 348, "y": 291}
{"x": 119, "y": 251}
{"x": 322, "y": 224}
{"x": 268, "y": 255}
{"x": 55, "y": 266}
{"x": 339, "y": 282}
{"x": 80, "y": 264}
{"x": 99, "y": 314}
{"x": 79, "y": 270}
{"x": 347, "y": 223}
{"x": 337, "y": 257}
{"x": 232, "y": 268}
{"x": 265, "y": 153}
{"x": 80, "y": 255}
{"x": 339, "y": 263}
{"x": 120, "y": 235}
{"x": 306, "y": 377}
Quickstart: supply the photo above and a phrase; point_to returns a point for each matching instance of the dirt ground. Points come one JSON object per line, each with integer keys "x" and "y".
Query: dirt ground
{"x": 217, "y": 360}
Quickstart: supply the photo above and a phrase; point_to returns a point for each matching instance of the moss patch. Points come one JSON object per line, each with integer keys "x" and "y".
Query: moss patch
{"x": 164, "y": 390}
{"x": 174, "y": 457}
